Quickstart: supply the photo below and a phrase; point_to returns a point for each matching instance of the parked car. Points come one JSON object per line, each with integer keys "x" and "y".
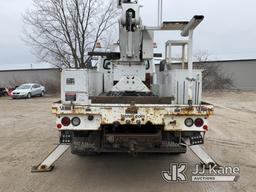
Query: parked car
{"x": 28, "y": 91}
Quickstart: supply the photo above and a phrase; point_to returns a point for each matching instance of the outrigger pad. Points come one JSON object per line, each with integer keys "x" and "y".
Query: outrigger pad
{"x": 36, "y": 169}
{"x": 48, "y": 163}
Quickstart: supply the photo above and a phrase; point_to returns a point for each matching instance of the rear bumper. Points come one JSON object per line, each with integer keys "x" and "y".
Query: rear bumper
{"x": 170, "y": 117}
{"x": 19, "y": 96}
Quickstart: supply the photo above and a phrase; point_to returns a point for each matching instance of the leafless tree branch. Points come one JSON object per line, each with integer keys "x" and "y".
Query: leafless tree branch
{"x": 62, "y": 31}
{"x": 214, "y": 77}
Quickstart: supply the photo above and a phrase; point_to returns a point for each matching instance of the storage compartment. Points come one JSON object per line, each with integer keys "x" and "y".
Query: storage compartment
{"x": 174, "y": 83}
{"x": 78, "y": 84}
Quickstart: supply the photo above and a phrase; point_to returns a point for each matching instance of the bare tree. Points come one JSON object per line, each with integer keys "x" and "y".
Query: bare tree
{"x": 214, "y": 77}
{"x": 62, "y": 32}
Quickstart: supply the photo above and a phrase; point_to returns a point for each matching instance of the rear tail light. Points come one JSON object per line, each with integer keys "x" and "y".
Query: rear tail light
{"x": 75, "y": 121}
{"x": 189, "y": 122}
{"x": 199, "y": 122}
{"x": 65, "y": 121}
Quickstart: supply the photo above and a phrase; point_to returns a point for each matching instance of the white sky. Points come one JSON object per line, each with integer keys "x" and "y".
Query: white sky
{"x": 228, "y": 31}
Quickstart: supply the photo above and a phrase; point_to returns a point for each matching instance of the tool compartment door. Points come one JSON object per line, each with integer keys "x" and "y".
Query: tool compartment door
{"x": 74, "y": 86}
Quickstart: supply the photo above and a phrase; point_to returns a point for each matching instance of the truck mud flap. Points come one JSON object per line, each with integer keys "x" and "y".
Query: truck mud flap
{"x": 87, "y": 145}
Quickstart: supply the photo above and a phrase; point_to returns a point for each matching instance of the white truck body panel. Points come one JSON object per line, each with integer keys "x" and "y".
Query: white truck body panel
{"x": 174, "y": 83}
{"x": 121, "y": 71}
{"x": 78, "y": 84}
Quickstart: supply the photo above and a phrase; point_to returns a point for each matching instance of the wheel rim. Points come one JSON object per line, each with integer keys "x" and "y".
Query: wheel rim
{"x": 42, "y": 93}
{"x": 29, "y": 96}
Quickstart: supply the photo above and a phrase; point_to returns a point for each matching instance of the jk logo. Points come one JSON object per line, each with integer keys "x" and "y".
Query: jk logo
{"x": 176, "y": 173}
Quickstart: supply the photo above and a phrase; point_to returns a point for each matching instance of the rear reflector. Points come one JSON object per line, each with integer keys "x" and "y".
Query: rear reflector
{"x": 205, "y": 127}
{"x": 59, "y": 126}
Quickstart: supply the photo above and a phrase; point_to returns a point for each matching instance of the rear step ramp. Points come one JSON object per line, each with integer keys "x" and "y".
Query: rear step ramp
{"x": 47, "y": 164}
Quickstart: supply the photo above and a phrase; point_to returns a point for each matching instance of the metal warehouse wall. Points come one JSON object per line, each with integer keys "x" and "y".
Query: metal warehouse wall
{"x": 243, "y": 72}
{"x": 50, "y": 78}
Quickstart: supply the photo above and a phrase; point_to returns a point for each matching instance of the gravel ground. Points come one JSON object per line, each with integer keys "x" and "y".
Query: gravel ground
{"x": 27, "y": 134}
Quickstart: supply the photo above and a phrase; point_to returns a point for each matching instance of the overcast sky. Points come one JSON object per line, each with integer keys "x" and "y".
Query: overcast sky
{"x": 228, "y": 31}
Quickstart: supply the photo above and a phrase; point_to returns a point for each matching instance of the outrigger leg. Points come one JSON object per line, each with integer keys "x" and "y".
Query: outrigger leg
{"x": 48, "y": 163}
{"x": 206, "y": 159}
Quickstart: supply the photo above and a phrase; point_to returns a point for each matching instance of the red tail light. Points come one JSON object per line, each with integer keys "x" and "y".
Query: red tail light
{"x": 65, "y": 121}
{"x": 199, "y": 122}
